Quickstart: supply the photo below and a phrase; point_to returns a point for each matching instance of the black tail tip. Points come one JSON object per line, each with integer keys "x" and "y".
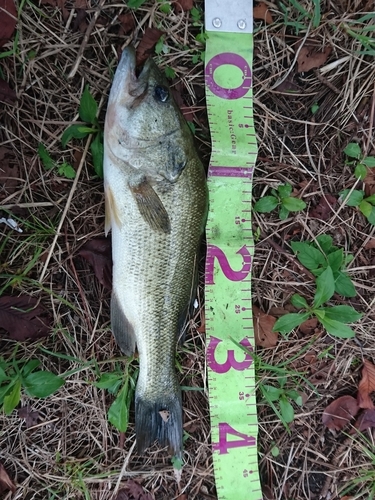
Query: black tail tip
{"x": 161, "y": 421}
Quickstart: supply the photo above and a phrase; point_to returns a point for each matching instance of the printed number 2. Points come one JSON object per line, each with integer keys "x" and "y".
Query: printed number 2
{"x": 231, "y": 362}
{"x": 224, "y": 445}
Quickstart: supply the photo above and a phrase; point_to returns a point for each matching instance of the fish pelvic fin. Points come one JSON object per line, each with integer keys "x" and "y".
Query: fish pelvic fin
{"x": 159, "y": 420}
{"x": 122, "y": 329}
{"x": 150, "y": 206}
{"x": 111, "y": 212}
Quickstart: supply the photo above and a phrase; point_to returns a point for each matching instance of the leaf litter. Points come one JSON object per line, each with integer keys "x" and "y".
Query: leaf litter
{"x": 303, "y": 131}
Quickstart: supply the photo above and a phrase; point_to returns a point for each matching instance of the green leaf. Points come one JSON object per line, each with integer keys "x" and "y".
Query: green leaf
{"x": 325, "y": 287}
{"x": 336, "y": 259}
{"x": 353, "y": 150}
{"x": 13, "y": 398}
{"x": 293, "y": 204}
{"x": 369, "y": 161}
{"x": 74, "y": 131}
{"x": 283, "y": 213}
{"x": 47, "y": 161}
{"x": 298, "y": 301}
{"x": 159, "y": 45}
{"x": 284, "y": 190}
{"x": 169, "y": 72}
{"x": 88, "y": 107}
{"x": 354, "y": 199}
{"x": 30, "y": 366}
{"x": 288, "y": 322}
{"x": 337, "y": 329}
{"x": 344, "y": 285}
{"x": 371, "y": 217}
{"x": 3, "y": 376}
{"x": 371, "y": 199}
{"x": 41, "y": 384}
{"x": 314, "y": 108}
{"x": 360, "y": 171}
{"x": 344, "y": 314}
{"x": 66, "y": 170}
{"x": 118, "y": 413}
{"x": 97, "y": 151}
{"x": 325, "y": 241}
{"x": 295, "y": 396}
{"x": 309, "y": 256}
{"x": 4, "y": 390}
{"x": 134, "y": 4}
{"x": 273, "y": 393}
{"x": 365, "y": 208}
{"x": 286, "y": 410}
{"x": 110, "y": 381}
{"x": 266, "y": 204}
{"x": 275, "y": 451}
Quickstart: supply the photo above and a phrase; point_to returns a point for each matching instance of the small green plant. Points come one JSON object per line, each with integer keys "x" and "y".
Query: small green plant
{"x": 122, "y": 385}
{"x": 297, "y": 17}
{"x": 281, "y": 198}
{"x": 282, "y": 397}
{"x": 88, "y": 109}
{"x": 361, "y": 162}
{"x": 333, "y": 318}
{"x": 318, "y": 255}
{"x": 18, "y": 375}
{"x": 356, "y": 198}
{"x": 362, "y": 33}
{"x": 64, "y": 169}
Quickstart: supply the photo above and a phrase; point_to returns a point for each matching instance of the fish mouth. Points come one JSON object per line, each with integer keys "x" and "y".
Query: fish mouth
{"x": 134, "y": 83}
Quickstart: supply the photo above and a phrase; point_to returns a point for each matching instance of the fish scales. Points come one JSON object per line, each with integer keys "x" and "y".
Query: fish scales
{"x": 156, "y": 205}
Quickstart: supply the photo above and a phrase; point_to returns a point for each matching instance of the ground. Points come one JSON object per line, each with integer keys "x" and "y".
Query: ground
{"x": 304, "y": 119}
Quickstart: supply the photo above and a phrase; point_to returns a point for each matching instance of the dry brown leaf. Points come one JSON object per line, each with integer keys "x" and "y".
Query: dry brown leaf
{"x": 8, "y": 16}
{"x": 369, "y": 182}
{"x": 31, "y": 417}
{"x": 366, "y": 385}
{"x": 147, "y": 44}
{"x": 308, "y": 326}
{"x": 6, "y": 93}
{"x": 261, "y": 12}
{"x": 309, "y": 58}
{"x": 9, "y": 172}
{"x": 132, "y": 491}
{"x": 370, "y": 244}
{"x": 183, "y": 5}
{"x": 98, "y": 252}
{"x": 263, "y": 324}
{"x": 23, "y": 317}
{"x": 127, "y": 23}
{"x": 366, "y": 420}
{"x": 324, "y": 208}
{"x": 5, "y": 481}
{"x": 340, "y": 412}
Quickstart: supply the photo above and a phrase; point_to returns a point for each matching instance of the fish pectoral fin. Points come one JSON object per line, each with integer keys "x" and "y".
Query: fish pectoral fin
{"x": 122, "y": 329}
{"x": 150, "y": 206}
{"x": 111, "y": 212}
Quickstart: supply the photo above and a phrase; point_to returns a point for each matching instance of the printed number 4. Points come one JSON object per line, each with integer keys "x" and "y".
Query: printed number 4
{"x": 224, "y": 445}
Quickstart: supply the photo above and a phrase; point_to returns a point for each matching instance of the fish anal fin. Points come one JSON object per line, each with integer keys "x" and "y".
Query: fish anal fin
{"x": 122, "y": 329}
{"x": 111, "y": 212}
{"x": 150, "y": 206}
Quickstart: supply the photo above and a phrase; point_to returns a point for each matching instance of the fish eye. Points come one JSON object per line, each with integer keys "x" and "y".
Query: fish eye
{"x": 161, "y": 93}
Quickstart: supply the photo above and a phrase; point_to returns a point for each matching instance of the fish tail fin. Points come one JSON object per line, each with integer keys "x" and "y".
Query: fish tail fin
{"x": 161, "y": 420}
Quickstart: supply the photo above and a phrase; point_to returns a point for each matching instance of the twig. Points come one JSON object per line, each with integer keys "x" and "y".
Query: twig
{"x": 85, "y": 40}
{"x": 67, "y": 206}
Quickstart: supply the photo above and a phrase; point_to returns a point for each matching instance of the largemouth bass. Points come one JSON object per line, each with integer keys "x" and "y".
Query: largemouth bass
{"x": 156, "y": 205}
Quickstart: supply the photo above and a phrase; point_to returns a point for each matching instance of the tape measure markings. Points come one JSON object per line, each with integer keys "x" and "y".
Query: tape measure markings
{"x": 228, "y": 266}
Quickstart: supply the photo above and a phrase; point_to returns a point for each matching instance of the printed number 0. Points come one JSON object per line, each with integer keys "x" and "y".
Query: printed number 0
{"x": 231, "y": 361}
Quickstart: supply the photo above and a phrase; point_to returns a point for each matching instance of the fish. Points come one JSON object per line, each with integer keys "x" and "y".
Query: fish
{"x": 156, "y": 203}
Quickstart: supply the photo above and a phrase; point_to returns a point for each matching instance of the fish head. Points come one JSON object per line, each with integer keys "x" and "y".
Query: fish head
{"x": 144, "y": 126}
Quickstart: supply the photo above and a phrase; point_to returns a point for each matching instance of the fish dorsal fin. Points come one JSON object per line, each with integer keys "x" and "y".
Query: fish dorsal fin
{"x": 111, "y": 212}
{"x": 151, "y": 207}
